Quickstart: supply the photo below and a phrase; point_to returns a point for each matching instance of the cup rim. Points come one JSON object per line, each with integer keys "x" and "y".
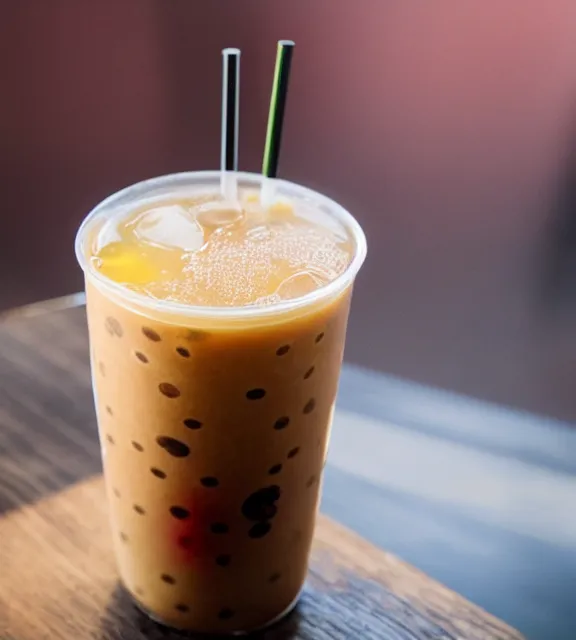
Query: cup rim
{"x": 178, "y": 308}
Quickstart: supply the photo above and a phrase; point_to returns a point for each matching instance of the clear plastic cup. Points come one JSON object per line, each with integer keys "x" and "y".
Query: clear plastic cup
{"x": 214, "y": 424}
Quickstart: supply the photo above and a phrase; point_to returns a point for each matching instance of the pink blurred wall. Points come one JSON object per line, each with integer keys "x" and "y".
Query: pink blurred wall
{"x": 442, "y": 125}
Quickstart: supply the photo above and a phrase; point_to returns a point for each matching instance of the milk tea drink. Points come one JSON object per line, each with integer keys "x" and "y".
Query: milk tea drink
{"x": 217, "y": 331}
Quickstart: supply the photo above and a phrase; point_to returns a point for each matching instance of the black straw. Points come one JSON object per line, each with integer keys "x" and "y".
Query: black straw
{"x": 277, "y": 108}
{"x": 230, "y": 103}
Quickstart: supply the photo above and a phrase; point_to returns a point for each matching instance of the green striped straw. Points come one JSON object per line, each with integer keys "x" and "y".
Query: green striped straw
{"x": 277, "y": 109}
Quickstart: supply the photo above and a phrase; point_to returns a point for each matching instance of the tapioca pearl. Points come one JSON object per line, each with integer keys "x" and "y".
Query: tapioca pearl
{"x": 141, "y": 357}
{"x": 223, "y": 560}
{"x": 172, "y": 446}
{"x": 158, "y": 473}
{"x": 310, "y": 482}
{"x": 225, "y": 614}
{"x": 151, "y": 334}
{"x": 260, "y": 505}
{"x": 123, "y": 537}
{"x": 293, "y": 452}
{"x": 283, "y": 350}
{"x": 137, "y": 446}
{"x": 180, "y": 513}
{"x": 259, "y": 530}
{"x": 182, "y": 351}
{"x": 109, "y": 410}
{"x": 167, "y": 579}
{"x": 139, "y": 510}
{"x": 319, "y": 337}
{"x": 255, "y": 394}
{"x": 209, "y": 482}
{"x": 110, "y": 439}
{"x": 196, "y": 335}
{"x": 219, "y": 527}
{"x": 182, "y": 608}
{"x": 281, "y": 423}
{"x": 191, "y": 423}
{"x": 113, "y": 327}
{"x": 309, "y": 373}
{"x": 309, "y": 406}
{"x": 274, "y": 577}
{"x": 169, "y": 390}
{"x": 275, "y": 469}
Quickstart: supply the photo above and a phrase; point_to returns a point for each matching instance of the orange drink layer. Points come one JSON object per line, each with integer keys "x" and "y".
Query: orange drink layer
{"x": 217, "y": 331}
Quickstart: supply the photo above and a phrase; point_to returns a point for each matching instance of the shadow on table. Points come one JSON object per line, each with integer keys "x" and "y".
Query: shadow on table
{"x": 122, "y": 620}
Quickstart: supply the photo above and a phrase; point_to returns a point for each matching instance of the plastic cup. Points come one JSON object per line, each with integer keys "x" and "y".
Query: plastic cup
{"x": 214, "y": 424}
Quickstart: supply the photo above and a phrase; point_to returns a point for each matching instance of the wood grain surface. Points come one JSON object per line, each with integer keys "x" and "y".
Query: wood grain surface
{"x": 57, "y": 574}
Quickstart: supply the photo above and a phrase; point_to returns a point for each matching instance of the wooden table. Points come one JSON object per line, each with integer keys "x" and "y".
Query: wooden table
{"x": 57, "y": 574}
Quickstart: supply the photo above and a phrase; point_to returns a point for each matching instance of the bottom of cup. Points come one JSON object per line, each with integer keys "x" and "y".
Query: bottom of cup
{"x": 218, "y": 634}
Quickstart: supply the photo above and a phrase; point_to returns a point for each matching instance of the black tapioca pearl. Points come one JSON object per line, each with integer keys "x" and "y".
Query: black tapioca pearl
{"x": 209, "y": 481}
{"x": 137, "y": 446}
{"x": 293, "y": 452}
{"x": 182, "y": 608}
{"x": 319, "y": 337}
{"x": 259, "y": 530}
{"x": 223, "y": 560}
{"x": 123, "y": 537}
{"x": 151, "y": 334}
{"x": 283, "y": 350}
{"x": 309, "y": 373}
{"x": 140, "y": 510}
{"x": 113, "y": 327}
{"x": 310, "y": 482}
{"x": 180, "y": 513}
{"x": 141, "y": 357}
{"x": 192, "y": 424}
{"x": 282, "y": 423}
{"x": 309, "y": 406}
{"x": 172, "y": 446}
{"x": 158, "y": 473}
{"x": 274, "y": 577}
{"x": 167, "y": 579}
{"x": 169, "y": 390}
{"x": 275, "y": 469}
{"x": 109, "y": 410}
{"x": 225, "y": 614}
{"x": 255, "y": 394}
{"x": 219, "y": 527}
{"x": 182, "y": 351}
{"x": 110, "y": 439}
{"x": 260, "y": 505}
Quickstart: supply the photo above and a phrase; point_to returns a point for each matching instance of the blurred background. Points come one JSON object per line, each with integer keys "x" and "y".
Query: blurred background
{"x": 447, "y": 128}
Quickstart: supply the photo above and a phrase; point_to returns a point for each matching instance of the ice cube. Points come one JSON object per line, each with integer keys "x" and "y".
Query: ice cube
{"x": 298, "y": 285}
{"x": 169, "y": 226}
{"x": 218, "y": 214}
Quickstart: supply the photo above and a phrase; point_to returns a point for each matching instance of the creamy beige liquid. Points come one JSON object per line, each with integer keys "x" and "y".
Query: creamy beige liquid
{"x": 215, "y": 433}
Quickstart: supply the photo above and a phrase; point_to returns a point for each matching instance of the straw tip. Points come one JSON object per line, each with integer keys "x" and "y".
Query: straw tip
{"x": 231, "y": 51}
{"x": 285, "y": 43}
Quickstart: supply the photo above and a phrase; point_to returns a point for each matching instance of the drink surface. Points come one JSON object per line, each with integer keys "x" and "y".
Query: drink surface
{"x": 204, "y": 251}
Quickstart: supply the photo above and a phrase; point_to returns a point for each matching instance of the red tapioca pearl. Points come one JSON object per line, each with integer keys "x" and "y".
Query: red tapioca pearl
{"x": 194, "y": 537}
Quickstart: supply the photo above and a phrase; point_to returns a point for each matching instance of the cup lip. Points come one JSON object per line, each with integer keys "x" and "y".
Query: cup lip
{"x": 178, "y": 308}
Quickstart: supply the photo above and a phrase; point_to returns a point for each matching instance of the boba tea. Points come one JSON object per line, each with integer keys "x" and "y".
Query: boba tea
{"x": 217, "y": 331}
